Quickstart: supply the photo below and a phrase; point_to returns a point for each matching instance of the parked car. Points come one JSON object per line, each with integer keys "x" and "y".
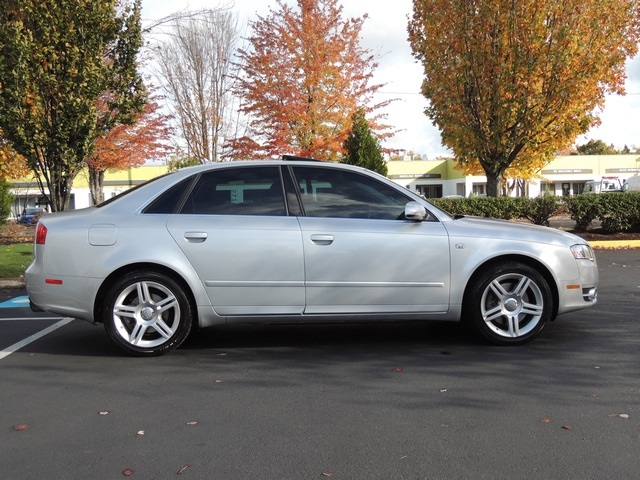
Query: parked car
{"x": 297, "y": 241}
{"x": 632, "y": 184}
{"x": 30, "y": 215}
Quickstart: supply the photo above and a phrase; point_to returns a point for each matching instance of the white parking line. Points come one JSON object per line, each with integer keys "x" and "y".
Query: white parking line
{"x": 17, "y": 346}
{"x": 17, "y": 319}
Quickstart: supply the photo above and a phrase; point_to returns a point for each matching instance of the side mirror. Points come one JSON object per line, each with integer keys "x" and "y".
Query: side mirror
{"x": 415, "y": 211}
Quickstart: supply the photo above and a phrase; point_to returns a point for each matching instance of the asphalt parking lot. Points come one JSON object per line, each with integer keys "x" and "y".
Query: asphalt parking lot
{"x": 410, "y": 401}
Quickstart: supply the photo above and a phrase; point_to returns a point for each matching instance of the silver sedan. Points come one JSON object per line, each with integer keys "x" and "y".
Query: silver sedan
{"x": 297, "y": 241}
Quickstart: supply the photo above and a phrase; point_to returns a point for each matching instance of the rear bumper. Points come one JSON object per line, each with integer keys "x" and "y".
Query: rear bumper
{"x": 69, "y": 296}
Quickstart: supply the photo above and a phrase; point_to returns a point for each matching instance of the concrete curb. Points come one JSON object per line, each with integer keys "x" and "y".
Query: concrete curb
{"x": 11, "y": 283}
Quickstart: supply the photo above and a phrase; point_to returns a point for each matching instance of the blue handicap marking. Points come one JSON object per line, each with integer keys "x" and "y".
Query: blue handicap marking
{"x": 16, "y": 302}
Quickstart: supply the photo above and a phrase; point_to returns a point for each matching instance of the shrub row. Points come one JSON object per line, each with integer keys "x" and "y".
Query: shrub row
{"x": 617, "y": 212}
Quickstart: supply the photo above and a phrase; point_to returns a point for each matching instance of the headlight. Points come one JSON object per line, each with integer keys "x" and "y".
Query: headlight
{"x": 583, "y": 252}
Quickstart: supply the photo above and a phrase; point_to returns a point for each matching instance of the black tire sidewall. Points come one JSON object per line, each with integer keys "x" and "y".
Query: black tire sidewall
{"x": 184, "y": 326}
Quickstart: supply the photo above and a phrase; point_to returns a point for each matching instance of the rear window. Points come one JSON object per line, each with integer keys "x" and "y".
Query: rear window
{"x": 133, "y": 189}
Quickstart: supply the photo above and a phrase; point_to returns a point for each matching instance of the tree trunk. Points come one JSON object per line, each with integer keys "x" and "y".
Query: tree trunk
{"x": 96, "y": 182}
{"x": 494, "y": 183}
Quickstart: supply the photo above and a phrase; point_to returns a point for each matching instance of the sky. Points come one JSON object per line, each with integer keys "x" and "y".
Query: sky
{"x": 385, "y": 34}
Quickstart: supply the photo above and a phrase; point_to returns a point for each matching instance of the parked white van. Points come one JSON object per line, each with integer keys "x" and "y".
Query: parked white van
{"x": 632, "y": 184}
{"x": 604, "y": 185}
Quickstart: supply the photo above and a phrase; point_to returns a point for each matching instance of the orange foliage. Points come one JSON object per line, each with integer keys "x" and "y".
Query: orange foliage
{"x": 127, "y": 146}
{"x": 12, "y": 164}
{"x": 303, "y": 79}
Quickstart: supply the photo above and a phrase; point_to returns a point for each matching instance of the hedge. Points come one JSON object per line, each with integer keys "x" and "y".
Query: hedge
{"x": 617, "y": 212}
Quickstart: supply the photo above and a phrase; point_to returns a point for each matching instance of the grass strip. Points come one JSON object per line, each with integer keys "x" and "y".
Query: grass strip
{"x": 14, "y": 259}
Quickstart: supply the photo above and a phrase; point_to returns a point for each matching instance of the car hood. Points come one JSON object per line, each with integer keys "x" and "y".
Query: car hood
{"x": 491, "y": 228}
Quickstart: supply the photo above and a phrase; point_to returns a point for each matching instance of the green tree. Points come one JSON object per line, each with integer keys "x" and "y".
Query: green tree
{"x": 58, "y": 58}
{"x": 176, "y": 163}
{"x": 6, "y": 200}
{"x": 596, "y": 147}
{"x": 510, "y": 83}
{"x": 361, "y": 147}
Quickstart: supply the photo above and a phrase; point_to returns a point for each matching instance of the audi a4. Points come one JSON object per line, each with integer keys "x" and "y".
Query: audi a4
{"x": 297, "y": 241}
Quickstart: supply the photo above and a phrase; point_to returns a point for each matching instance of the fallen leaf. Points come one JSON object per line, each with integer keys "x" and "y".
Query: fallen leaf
{"x": 222, "y": 354}
{"x": 443, "y": 390}
{"x": 397, "y": 369}
{"x": 567, "y": 427}
{"x": 545, "y": 420}
{"x": 104, "y": 413}
{"x": 218, "y": 381}
{"x": 141, "y": 432}
{"x": 192, "y": 423}
{"x": 327, "y": 474}
{"x": 127, "y": 472}
{"x": 22, "y": 426}
{"x": 183, "y": 469}
{"x": 621, "y": 415}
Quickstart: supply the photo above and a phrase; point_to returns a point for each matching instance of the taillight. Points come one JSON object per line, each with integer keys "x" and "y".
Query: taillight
{"x": 41, "y": 234}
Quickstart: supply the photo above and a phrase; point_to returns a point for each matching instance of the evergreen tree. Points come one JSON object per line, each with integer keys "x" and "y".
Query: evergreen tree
{"x": 362, "y": 148}
{"x": 6, "y": 199}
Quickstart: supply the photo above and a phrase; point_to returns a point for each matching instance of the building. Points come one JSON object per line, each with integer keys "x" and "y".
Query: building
{"x": 28, "y": 194}
{"x": 565, "y": 175}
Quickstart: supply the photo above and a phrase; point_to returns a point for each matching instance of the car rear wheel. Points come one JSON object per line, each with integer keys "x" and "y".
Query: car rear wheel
{"x": 147, "y": 314}
{"x": 509, "y": 304}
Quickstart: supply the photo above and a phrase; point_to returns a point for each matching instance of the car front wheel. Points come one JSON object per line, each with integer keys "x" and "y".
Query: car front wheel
{"x": 147, "y": 314}
{"x": 509, "y": 304}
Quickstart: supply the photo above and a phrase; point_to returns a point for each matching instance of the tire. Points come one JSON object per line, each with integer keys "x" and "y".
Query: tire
{"x": 147, "y": 314}
{"x": 509, "y": 304}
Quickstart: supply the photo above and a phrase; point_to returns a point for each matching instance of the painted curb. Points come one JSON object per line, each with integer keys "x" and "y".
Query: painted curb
{"x": 614, "y": 244}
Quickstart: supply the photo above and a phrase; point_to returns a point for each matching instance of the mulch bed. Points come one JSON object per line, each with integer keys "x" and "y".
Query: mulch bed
{"x": 12, "y": 232}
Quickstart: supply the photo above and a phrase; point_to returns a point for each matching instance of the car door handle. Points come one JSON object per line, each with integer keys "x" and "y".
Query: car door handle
{"x": 195, "y": 237}
{"x": 322, "y": 239}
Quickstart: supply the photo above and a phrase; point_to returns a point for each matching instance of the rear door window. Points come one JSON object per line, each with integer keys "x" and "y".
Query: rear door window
{"x": 237, "y": 191}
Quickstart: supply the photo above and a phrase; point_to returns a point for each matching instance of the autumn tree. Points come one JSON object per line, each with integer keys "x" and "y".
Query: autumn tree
{"x": 510, "y": 83}
{"x": 57, "y": 58}
{"x": 126, "y": 146}
{"x": 361, "y": 147}
{"x": 303, "y": 76}
{"x": 195, "y": 68}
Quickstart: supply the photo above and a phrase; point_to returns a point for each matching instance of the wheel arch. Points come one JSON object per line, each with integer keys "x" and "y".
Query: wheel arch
{"x": 540, "y": 267}
{"x": 103, "y": 291}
